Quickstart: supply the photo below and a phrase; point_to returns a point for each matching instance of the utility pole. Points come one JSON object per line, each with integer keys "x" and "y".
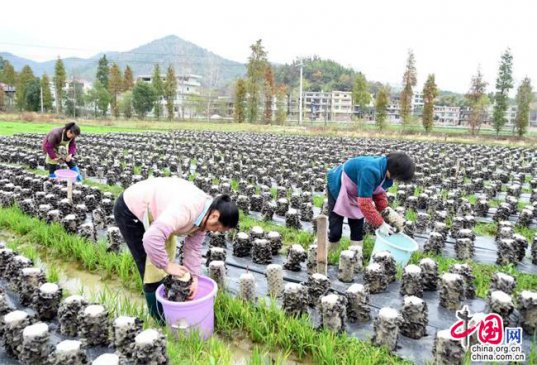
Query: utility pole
{"x": 300, "y": 96}
{"x": 41, "y": 97}
{"x": 74, "y": 98}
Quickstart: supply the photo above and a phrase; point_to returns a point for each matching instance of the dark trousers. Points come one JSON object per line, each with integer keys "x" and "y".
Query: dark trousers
{"x": 335, "y": 223}
{"x": 132, "y": 230}
{"x": 52, "y": 168}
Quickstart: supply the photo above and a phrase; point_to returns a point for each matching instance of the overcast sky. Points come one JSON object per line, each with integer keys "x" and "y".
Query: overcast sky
{"x": 449, "y": 38}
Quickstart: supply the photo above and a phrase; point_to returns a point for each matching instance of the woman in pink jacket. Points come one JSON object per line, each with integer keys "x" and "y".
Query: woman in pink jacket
{"x": 151, "y": 213}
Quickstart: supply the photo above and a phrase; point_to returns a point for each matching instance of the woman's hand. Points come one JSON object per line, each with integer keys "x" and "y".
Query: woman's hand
{"x": 175, "y": 269}
{"x": 68, "y": 158}
{"x": 193, "y": 288}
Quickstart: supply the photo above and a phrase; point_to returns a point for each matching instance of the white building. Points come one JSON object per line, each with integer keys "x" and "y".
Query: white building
{"x": 342, "y": 108}
{"x": 417, "y": 103}
{"x": 394, "y": 112}
{"x": 317, "y": 105}
{"x": 188, "y": 86}
{"x": 447, "y": 115}
{"x": 334, "y": 105}
{"x": 85, "y": 84}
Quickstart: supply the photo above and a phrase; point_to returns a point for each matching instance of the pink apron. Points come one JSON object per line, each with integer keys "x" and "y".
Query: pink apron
{"x": 346, "y": 203}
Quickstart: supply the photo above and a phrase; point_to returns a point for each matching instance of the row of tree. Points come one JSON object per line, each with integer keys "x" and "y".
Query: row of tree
{"x": 477, "y": 99}
{"x": 113, "y": 90}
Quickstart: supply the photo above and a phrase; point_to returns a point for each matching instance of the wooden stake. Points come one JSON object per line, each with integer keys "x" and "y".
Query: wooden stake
{"x": 70, "y": 190}
{"x": 322, "y": 244}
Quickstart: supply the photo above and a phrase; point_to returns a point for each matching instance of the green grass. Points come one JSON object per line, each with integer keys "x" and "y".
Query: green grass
{"x": 318, "y": 201}
{"x": 483, "y": 273}
{"x": 12, "y": 127}
{"x": 529, "y": 233}
{"x": 486, "y": 229}
{"x": 266, "y": 324}
{"x": 369, "y": 243}
{"x": 234, "y": 184}
{"x": 411, "y": 215}
{"x": 490, "y": 229}
{"x": 472, "y": 199}
{"x": 260, "y": 357}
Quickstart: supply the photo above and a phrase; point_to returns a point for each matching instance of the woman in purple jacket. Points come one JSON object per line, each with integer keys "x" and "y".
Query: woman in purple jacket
{"x": 59, "y": 146}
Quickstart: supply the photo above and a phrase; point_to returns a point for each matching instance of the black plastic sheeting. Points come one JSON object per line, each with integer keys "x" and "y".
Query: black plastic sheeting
{"x": 485, "y": 252}
{"x": 485, "y": 247}
{"x": 418, "y": 351}
{"x": 55, "y": 336}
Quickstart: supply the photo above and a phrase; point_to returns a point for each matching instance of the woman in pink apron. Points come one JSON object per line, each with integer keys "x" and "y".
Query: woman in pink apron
{"x": 357, "y": 190}
{"x": 152, "y": 212}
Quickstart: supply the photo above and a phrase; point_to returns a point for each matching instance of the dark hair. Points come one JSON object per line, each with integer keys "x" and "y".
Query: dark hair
{"x": 229, "y": 213}
{"x": 73, "y": 128}
{"x": 401, "y": 166}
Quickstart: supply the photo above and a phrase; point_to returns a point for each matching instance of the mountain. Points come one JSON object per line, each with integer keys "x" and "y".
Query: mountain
{"x": 186, "y": 57}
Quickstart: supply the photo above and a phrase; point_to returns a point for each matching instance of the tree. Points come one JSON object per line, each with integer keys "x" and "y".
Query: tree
{"x": 477, "y": 100}
{"x": 504, "y": 83}
{"x": 524, "y": 97}
{"x": 409, "y": 81}
{"x": 59, "y": 79}
{"x": 239, "y": 109}
{"x": 430, "y": 92}
{"x": 381, "y": 107}
{"x": 269, "y": 95}
{"x": 257, "y": 63}
{"x": 115, "y": 85}
{"x": 125, "y": 104}
{"x": 8, "y": 74}
{"x": 128, "y": 80}
{"x": 103, "y": 71}
{"x": 197, "y": 104}
{"x": 2, "y": 99}
{"x": 143, "y": 98}
{"x": 99, "y": 98}
{"x": 360, "y": 95}
{"x": 32, "y": 95}
{"x": 170, "y": 91}
{"x": 156, "y": 82}
{"x": 47, "y": 94}
{"x": 74, "y": 99}
{"x": 281, "y": 112}
{"x": 25, "y": 78}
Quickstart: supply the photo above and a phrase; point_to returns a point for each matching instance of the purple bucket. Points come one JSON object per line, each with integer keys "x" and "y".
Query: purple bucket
{"x": 66, "y": 174}
{"x": 196, "y": 314}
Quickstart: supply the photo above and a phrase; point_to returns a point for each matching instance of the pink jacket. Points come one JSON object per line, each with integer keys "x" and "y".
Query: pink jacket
{"x": 175, "y": 206}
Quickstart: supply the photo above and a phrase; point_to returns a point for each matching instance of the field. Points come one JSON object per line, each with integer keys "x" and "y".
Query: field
{"x": 471, "y": 203}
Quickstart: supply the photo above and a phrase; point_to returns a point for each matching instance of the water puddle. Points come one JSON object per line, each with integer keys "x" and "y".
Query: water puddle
{"x": 242, "y": 349}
